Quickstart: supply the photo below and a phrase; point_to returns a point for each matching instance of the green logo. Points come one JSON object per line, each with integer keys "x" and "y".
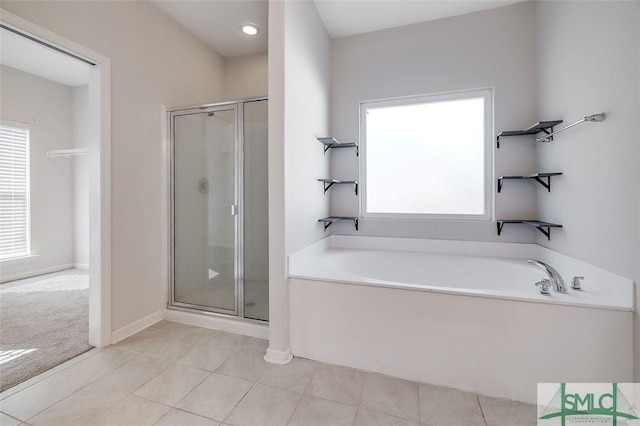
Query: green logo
{"x": 587, "y": 406}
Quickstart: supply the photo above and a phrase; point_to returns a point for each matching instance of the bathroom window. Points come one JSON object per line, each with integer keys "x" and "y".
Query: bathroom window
{"x": 428, "y": 157}
{"x": 14, "y": 191}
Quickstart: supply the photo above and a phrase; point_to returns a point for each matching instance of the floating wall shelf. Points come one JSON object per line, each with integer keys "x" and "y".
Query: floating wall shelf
{"x": 328, "y": 183}
{"x": 544, "y": 227}
{"x": 542, "y": 126}
{"x": 328, "y": 221}
{"x": 538, "y": 177}
{"x": 330, "y": 143}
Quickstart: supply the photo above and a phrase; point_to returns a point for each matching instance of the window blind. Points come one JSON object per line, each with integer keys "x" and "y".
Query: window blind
{"x": 14, "y": 192}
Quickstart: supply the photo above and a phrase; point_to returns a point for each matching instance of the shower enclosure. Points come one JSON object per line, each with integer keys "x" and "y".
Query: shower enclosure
{"x": 219, "y": 216}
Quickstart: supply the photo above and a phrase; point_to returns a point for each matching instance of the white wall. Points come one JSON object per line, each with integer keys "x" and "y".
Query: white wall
{"x": 589, "y": 62}
{"x": 46, "y": 107}
{"x": 299, "y": 48}
{"x": 154, "y": 62}
{"x": 246, "y": 76}
{"x": 494, "y": 48}
{"x": 81, "y": 135}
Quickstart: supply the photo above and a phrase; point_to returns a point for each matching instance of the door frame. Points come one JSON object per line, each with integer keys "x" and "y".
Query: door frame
{"x": 168, "y": 114}
{"x": 174, "y": 113}
{"x": 99, "y": 171}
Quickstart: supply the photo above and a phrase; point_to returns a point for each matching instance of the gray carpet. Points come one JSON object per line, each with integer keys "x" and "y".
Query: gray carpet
{"x": 44, "y": 321}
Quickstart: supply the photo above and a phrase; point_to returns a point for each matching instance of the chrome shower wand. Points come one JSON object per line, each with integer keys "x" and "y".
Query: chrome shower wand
{"x": 594, "y": 118}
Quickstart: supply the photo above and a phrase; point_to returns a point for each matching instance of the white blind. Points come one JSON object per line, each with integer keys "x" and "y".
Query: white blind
{"x": 14, "y": 191}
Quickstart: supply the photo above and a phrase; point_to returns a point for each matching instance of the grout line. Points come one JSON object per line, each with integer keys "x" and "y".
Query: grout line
{"x": 481, "y": 410}
{"x": 419, "y": 412}
{"x": 296, "y": 408}
{"x": 239, "y": 401}
{"x": 53, "y": 405}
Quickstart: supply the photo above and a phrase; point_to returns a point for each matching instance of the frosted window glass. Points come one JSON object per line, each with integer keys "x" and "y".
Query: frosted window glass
{"x": 426, "y": 158}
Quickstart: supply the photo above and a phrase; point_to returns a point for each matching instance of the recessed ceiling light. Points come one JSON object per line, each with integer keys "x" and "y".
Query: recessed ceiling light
{"x": 250, "y": 29}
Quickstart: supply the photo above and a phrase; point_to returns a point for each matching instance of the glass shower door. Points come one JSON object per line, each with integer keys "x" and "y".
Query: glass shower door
{"x": 205, "y": 209}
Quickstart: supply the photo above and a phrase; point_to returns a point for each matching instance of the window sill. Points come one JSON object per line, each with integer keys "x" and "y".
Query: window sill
{"x": 21, "y": 259}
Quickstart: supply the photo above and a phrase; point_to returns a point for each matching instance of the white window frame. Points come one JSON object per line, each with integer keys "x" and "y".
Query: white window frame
{"x": 28, "y": 253}
{"x": 487, "y": 95}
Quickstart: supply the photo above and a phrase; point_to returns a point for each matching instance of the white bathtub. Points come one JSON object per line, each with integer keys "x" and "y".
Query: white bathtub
{"x": 459, "y": 314}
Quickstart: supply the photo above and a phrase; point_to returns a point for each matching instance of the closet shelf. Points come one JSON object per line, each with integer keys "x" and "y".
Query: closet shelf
{"x": 542, "y": 126}
{"x": 328, "y": 183}
{"x": 67, "y": 152}
{"x": 330, "y": 142}
{"x": 328, "y": 221}
{"x": 544, "y": 227}
{"x": 538, "y": 177}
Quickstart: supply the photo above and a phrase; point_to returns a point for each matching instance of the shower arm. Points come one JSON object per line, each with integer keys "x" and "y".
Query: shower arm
{"x": 595, "y": 118}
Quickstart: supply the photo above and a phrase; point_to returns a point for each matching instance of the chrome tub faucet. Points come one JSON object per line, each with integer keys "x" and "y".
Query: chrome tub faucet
{"x": 554, "y": 277}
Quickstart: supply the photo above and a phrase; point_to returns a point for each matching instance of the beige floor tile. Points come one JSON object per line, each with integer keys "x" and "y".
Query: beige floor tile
{"x": 216, "y": 396}
{"x": 294, "y": 376}
{"x": 32, "y": 400}
{"x": 314, "y": 411}
{"x": 181, "y": 418}
{"x": 256, "y": 344}
{"x": 338, "y": 384}
{"x": 392, "y": 396}
{"x": 223, "y": 338}
{"x": 8, "y": 421}
{"x": 366, "y": 417}
{"x": 208, "y": 356}
{"x": 98, "y": 365}
{"x": 172, "y": 385}
{"x": 446, "y": 406}
{"x": 498, "y": 412}
{"x": 134, "y": 373}
{"x": 246, "y": 364}
{"x": 162, "y": 344}
{"x": 131, "y": 411}
{"x": 80, "y": 409}
{"x": 264, "y": 405}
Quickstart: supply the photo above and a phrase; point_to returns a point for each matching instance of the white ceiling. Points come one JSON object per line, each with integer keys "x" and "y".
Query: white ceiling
{"x": 348, "y": 17}
{"x": 29, "y": 56}
{"x": 218, "y": 22}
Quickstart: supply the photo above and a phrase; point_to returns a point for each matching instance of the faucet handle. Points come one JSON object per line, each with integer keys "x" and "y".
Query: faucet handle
{"x": 575, "y": 283}
{"x": 544, "y": 286}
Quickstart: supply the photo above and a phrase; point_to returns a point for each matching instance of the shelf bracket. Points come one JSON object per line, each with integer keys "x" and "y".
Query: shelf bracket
{"x": 538, "y": 177}
{"x": 546, "y": 233}
{"x": 544, "y": 227}
{"x": 328, "y": 185}
{"x": 546, "y": 184}
{"x": 328, "y": 221}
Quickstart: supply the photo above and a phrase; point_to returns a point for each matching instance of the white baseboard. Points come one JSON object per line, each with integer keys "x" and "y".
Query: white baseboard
{"x": 218, "y": 323}
{"x": 135, "y": 327}
{"x": 35, "y": 273}
{"x": 278, "y": 357}
{"x": 84, "y": 266}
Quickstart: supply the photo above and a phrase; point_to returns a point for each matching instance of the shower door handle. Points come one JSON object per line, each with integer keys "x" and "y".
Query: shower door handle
{"x": 234, "y": 210}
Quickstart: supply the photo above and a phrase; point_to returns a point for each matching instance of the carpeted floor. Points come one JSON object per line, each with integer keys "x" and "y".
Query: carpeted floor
{"x": 44, "y": 321}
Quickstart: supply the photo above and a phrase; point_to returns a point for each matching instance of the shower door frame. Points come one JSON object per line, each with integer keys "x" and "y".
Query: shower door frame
{"x": 238, "y": 105}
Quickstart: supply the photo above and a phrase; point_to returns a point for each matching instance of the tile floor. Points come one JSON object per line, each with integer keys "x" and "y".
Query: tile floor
{"x": 173, "y": 374}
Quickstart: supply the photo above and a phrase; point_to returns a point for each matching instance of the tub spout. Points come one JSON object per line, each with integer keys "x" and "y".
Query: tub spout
{"x": 558, "y": 283}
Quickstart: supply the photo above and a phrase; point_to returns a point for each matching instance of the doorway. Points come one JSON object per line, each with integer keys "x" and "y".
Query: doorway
{"x": 96, "y": 164}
